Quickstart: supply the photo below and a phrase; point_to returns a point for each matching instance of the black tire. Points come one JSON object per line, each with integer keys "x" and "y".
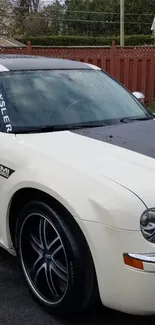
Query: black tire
{"x": 61, "y": 278}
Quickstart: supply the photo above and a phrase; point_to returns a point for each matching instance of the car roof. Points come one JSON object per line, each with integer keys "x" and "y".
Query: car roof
{"x": 27, "y": 62}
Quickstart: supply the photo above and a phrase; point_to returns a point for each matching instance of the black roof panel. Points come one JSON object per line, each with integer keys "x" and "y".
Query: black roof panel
{"x": 27, "y": 62}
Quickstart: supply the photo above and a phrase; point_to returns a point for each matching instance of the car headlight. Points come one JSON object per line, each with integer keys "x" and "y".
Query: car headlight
{"x": 147, "y": 225}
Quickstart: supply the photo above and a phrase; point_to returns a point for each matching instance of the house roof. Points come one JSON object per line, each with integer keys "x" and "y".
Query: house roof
{"x": 5, "y": 42}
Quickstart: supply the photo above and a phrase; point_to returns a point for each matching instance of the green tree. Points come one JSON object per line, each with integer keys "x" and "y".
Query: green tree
{"x": 35, "y": 24}
{"x": 82, "y": 17}
{"x": 22, "y": 9}
{"x": 76, "y": 16}
{"x": 103, "y": 17}
{"x": 5, "y": 17}
{"x": 54, "y": 15}
{"x": 139, "y": 16}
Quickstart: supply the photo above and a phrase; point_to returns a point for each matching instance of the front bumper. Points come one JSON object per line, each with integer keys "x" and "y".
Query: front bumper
{"x": 122, "y": 287}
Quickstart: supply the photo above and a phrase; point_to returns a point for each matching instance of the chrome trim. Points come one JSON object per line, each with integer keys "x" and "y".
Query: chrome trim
{"x": 144, "y": 257}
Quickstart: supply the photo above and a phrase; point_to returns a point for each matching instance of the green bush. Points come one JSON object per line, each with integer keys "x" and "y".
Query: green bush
{"x": 136, "y": 40}
{"x": 68, "y": 40}
{"x": 130, "y": 40}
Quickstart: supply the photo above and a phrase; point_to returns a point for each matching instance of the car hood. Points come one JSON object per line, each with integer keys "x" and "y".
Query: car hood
{"x": 124, "y": 153}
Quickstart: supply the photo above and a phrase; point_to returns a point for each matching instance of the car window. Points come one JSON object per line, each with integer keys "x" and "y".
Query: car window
{"x": 53, "y": 97}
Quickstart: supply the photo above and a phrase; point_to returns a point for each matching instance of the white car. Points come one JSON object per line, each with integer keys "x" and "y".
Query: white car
{"x": 77, "y": 185}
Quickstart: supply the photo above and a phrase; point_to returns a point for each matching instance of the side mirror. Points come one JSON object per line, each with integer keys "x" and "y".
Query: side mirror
{"x": 139, "y": 96}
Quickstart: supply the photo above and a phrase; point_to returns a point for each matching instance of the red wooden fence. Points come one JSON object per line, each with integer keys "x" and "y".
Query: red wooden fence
{"x": 133, "y": 67}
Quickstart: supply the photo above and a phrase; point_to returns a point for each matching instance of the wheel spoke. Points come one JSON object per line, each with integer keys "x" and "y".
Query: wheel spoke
{"x": 57, "y": 267}
{"x": 59, "y": 270}
{"x": 54, "y": 245}
{"x": 37, "y": 268}
{"x": 35, "y": 244}
{"x": 49, "y": 279}
{"x": 42, "y": 232}
{"x": 57, "y": 250}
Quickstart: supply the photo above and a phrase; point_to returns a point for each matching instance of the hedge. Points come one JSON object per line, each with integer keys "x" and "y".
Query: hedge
{"x": 130, "y": 40}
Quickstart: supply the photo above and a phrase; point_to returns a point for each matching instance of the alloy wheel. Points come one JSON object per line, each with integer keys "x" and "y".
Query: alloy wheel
{"x": 43, "y": 258}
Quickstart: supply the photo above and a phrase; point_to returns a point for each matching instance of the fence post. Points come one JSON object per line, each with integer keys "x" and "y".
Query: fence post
{"x": 113, "y": 59}
{"x": 29, "y": 48}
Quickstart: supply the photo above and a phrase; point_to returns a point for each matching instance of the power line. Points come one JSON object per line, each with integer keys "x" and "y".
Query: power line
{"x": 88, "y": 12}
{"x": 82, "y": 20}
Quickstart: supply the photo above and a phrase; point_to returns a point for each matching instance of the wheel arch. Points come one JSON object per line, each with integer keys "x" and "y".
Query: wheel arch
{"x": 28, "y": 194}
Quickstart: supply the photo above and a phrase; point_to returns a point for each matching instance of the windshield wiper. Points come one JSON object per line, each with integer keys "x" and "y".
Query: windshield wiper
{"x": 130, "y": 119}
{"x": 55, "y": 128}
{"x": 37, "y": 129}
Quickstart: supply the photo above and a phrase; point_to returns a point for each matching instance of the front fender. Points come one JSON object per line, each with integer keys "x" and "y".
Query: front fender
{"x": 86, "y": 198}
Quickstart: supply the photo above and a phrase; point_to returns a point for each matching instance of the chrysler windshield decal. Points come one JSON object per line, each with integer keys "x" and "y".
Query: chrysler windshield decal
{"x": 5, "y": 171}
{"x": 4, "y": 114}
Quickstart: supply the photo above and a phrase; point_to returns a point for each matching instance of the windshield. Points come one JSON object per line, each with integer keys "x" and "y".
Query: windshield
{"x": 33, "y": 99}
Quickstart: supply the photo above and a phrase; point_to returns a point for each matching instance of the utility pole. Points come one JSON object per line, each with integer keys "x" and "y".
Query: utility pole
{"x": 121, "y": 23}
{"x": 153, "y": 28}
